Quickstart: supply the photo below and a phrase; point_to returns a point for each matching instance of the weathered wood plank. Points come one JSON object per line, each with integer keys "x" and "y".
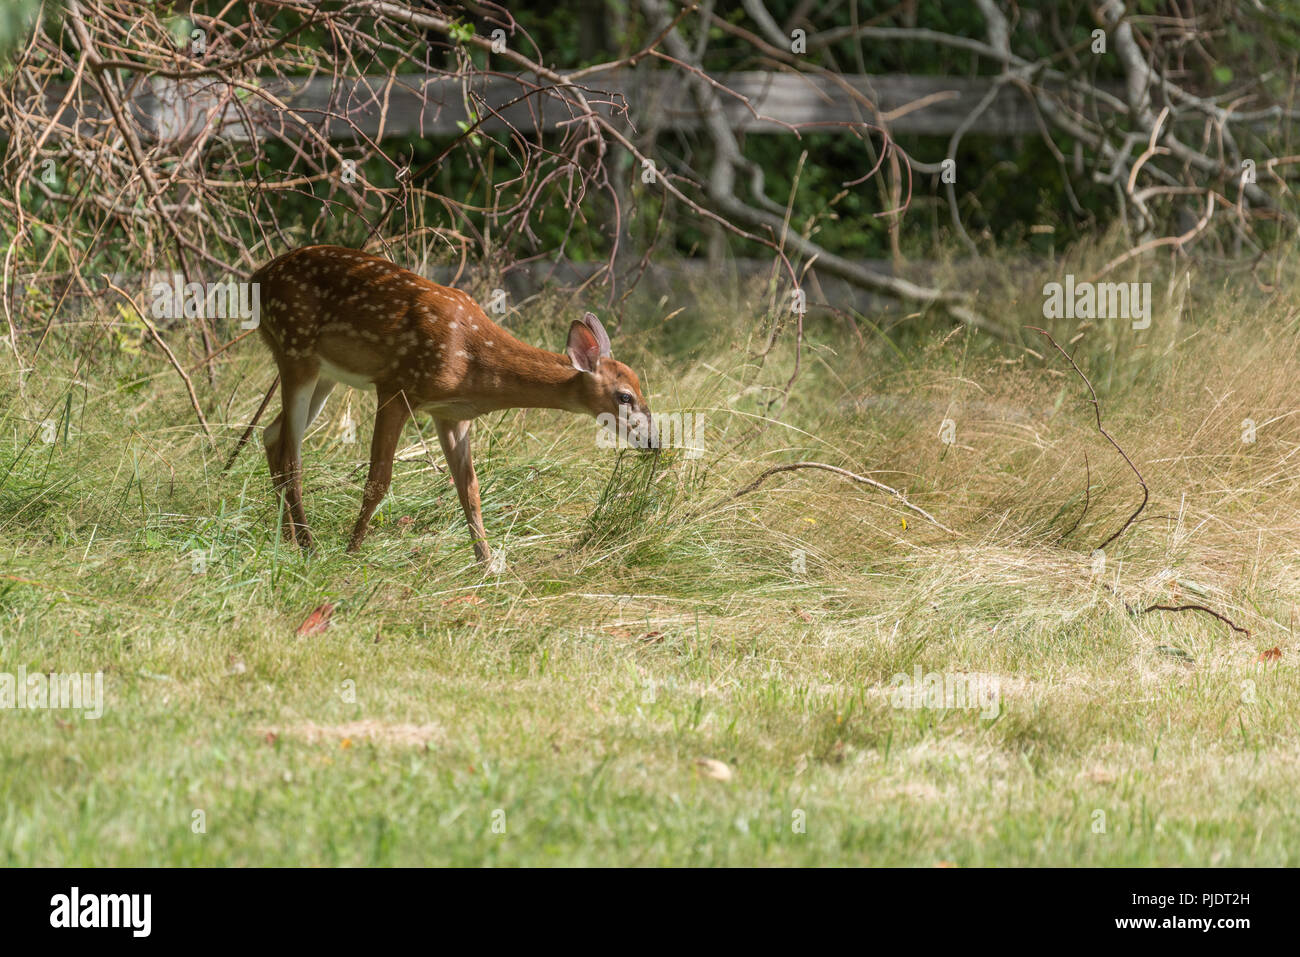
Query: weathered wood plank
{"x": 434, "y": 105}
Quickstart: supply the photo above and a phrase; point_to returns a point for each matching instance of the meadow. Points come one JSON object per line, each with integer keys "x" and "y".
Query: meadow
{"x": 665, "y": 672}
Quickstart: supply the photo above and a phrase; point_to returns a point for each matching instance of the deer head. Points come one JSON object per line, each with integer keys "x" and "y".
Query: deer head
{"x": 607, "y": 386}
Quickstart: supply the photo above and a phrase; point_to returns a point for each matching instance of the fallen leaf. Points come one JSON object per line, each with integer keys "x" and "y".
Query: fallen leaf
{"x": 317, "y": 621}
{"x": 1273, "y": 654}
{"x": 369, "y": 731}
{"x": 710, "y": 768}
{"x": 1101, "y": 776}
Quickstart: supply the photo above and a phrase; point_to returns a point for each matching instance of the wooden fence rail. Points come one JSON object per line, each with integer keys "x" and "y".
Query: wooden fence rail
{"x": 437, "y": 105}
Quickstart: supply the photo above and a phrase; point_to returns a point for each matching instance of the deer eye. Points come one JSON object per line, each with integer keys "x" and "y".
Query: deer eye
{"x": 625, "y": 398}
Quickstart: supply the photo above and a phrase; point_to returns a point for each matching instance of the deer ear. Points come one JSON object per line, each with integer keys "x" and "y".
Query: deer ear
{"x": 602, "y": 337}
{"x": 583, "y": 348}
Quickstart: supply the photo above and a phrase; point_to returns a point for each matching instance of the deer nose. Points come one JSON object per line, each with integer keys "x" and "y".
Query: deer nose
{"x": 644, "y": 426}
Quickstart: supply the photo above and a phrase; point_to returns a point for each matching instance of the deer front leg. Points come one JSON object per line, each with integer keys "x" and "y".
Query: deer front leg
{"x": 454, "y": 437}
{"x": 389, "y": 420}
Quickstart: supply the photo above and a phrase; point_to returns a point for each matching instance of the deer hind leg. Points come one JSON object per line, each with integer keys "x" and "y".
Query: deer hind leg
{"x": 271, "y": 434}
{"x": 283, "y": 440}
{"x": 454, "y": 437}
{"x": 390, "y": 418}
{"x": 272, "y": 440}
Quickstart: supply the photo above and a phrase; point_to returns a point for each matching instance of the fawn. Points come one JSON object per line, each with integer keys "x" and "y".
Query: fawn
{"x": 331, "y": 314}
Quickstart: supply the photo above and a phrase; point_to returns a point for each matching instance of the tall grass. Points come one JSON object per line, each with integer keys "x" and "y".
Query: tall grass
{"x": 645, "y": 620}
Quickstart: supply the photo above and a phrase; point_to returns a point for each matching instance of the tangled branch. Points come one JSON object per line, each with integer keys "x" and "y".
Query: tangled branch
{"x": 853, "y": 476}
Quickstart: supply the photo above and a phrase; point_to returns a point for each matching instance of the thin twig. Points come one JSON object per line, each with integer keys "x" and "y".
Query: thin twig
{"x": 1087, "y": 496}
{"x": 1096, "y": 408}
{"x": 1135, "y": 610}
{"x": 1209, "y": 611}
{"x": 790, "y": 467}
{"x": 171, "y": 356}
{"x": 243, "y": 439}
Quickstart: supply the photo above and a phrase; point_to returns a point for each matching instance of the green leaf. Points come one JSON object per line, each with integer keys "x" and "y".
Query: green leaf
{"x": 180, "y": 30}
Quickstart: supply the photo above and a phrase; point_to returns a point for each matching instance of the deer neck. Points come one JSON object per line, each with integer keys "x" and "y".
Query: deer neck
{"x": 512, "y": 374}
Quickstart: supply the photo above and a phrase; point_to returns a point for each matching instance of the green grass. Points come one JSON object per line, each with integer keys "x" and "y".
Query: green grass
{"x": 560, "y": 712}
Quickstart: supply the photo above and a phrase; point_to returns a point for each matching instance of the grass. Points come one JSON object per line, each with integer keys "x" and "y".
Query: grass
{"x": 565, "y": 710}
